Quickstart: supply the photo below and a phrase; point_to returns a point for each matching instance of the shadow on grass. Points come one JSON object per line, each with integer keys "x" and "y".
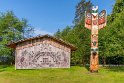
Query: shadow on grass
{"x": 115, "y": 68}
{"x": 87, "y": 67}
{"x": 3, "y": 67}
{"x": 2, "y": 70}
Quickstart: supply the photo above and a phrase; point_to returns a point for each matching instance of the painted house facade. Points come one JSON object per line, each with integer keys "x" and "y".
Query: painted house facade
{"x": 42, "y": 52}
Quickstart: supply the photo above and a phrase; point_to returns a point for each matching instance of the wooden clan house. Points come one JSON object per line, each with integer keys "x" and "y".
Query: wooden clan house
{"x": 42, "y": 52}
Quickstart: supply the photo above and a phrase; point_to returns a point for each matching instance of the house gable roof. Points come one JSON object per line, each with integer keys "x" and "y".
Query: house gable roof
{"x": 13, "y": 44}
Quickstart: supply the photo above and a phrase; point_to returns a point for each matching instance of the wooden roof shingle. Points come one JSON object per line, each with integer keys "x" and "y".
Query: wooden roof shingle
{"x": 13, "y": 44}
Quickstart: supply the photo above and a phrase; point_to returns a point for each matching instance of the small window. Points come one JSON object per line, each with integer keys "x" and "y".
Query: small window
{"x": 45, "y": 60}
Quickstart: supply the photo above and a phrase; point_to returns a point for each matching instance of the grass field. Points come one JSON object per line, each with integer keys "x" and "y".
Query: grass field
{"x": 75, "y": 74}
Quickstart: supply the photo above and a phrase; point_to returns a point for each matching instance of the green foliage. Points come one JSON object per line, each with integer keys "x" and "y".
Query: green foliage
{"x": 65, "y": 31}
{"x": 118, "y": 7}
{"x": 78, "y": 35}
{"x": 58, "y": 34}
{"x": 12, "y": 29}
{"x": 111, "y": 38}
{"x": 81, "y": 7}
{"x": 116, "y": 33}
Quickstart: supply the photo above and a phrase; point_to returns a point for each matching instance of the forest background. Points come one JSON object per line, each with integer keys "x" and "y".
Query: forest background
{"x": 111, "y": 38}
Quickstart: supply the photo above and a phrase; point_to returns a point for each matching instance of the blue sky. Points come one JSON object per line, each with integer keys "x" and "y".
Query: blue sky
{"x": 48, "y": 15}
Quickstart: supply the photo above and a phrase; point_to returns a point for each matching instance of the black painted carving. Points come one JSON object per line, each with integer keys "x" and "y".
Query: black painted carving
{"x": 46, "y": 56}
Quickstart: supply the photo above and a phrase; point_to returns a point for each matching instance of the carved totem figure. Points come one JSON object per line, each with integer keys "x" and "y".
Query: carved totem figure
{"x": 94, "y": 22}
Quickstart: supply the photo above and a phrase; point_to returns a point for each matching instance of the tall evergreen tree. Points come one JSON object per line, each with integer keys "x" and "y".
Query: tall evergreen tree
{"x": 81, "y": 7}
{"x": 111, "y": 41}
{"x": 12, "y": 29}
{"x": 57, "y": 34}
{"x": 78, "y": 35}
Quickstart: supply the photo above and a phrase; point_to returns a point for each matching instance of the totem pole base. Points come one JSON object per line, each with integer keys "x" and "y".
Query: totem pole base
{"x": 94, "y": 71}
{"x": 94, "y": 63}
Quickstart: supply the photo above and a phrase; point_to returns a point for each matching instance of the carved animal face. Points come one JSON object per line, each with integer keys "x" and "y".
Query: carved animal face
{"x": 95, "y": 11}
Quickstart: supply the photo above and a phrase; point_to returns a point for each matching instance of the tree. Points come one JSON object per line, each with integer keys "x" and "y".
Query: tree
{"x": 111, "y": 38}
{"x": 13, "y": 26}
{"x": 65, "y": 31}
{"x": 78, "y": 35}
{"x": 118, "y": 7}
{"x": 111, "y": 41}
{"x": 81, "y": 7}
{"x": 58, "y": 34}
{"x": 12, "y": 29}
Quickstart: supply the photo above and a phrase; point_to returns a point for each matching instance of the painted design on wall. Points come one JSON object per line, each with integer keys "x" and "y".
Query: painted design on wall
{"x": 42, "y": 56}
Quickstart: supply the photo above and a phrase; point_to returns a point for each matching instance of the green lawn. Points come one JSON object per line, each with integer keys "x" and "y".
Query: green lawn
{"x": 75, "y": 74}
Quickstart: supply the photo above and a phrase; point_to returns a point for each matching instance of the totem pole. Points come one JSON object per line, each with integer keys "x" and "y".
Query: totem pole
{"x": 94, "y": 22}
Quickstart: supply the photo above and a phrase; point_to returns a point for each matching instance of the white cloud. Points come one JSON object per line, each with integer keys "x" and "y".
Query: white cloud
{"x": 41, "y": 32}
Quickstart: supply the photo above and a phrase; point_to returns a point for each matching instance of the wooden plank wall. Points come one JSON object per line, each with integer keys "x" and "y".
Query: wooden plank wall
{"x": 42, "y": 53}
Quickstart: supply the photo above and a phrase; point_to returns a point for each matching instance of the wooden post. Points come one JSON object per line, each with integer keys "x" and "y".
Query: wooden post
{"x": 94, "y": 22}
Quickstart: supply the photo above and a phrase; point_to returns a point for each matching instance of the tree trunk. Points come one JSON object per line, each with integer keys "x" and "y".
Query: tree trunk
{"x": 83, "y": 62}
{"x": 104, "y": 61}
